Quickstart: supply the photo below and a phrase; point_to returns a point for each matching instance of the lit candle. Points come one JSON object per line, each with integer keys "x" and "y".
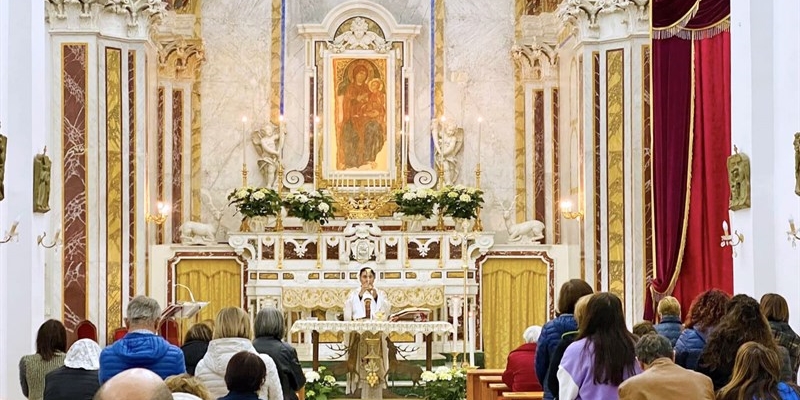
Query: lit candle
{"x": 244, "y": 141}
{"x": 281, "y": 123}
{"x": 725, "y": 228}
{"x": 566, "y": 206}
{"x": 471, "y": 329}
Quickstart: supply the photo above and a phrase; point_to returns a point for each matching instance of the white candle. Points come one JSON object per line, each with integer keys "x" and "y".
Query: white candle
{"x": 244, "y": 141}
{"x": 471, "y": 338}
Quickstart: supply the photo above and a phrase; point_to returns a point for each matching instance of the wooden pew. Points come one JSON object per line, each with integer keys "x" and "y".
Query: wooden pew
{"x": 301, "y": 394}
{"x": 496, "y": 390}
{"x": 486, "y": 383}
{"x": 474, "y": 381}
{"x": 522, "y": 395}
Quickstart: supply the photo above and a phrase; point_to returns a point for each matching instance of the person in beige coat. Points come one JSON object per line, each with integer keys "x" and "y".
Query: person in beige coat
{"x": 662, "y": 379}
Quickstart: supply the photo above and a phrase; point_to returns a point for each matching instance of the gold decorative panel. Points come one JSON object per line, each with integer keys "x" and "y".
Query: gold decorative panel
{"x": 132, "y": 173}
{"x": 598, "y": 255}
{"x": 114, "y": 182}
{"x": 511, "y": 281}
{"x": 438, "y": 58}
{"x": 217, "y": 281}
{"x": 276, "y": 44}
{"x": 615, "y": 170}
{"x": 334, "y": 297}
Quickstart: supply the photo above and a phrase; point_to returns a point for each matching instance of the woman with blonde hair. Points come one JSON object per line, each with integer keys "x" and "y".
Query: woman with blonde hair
{"x": 187, "y": 384}
{"x": 233, "y": 333}
{"x": 756, "y": 376}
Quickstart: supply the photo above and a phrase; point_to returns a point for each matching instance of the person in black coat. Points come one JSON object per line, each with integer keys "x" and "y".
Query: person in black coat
{"x": 269, "y": 332}
{"x": 195, "y": 345}
{"x": 77, "y": 379}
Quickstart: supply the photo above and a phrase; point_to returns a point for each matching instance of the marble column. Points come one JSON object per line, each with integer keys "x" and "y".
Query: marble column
{"x": 99, "y": 56}
{"x": 23, "y": 105}
{"x": 611, "y": 44}
{"x": 765, "y": 93}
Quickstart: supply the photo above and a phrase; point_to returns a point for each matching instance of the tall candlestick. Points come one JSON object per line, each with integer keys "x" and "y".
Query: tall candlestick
{"x": 471, "y": 337}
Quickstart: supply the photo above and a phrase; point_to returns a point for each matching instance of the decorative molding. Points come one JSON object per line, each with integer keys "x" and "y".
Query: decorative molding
{"x": 359, "y": 38}
{"x": 180, "y": 57}
{"x": 61, "y": 8}
{"x": 632, "y": 17}
{"x": 537, "y": 61}
{"x": 135, "y": 9}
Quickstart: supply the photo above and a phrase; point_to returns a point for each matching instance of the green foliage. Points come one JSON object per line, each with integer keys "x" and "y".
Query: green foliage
{"x": 322, "y": 385}
{"x": 255, "y": 202}
{"x": 309, "y": 206}
{"x": 411, "y": 202}
{"x": 460, "y": 201}
{"x": 445, "y": 384}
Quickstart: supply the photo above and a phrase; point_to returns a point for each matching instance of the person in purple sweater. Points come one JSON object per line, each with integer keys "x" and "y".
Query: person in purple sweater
{"x": 596, "y": 364}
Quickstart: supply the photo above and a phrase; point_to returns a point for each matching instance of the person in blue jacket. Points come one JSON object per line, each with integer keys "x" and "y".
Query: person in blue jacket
{"x": 705, "y": 313}
{"x": 141, "y": 347}
{"x": 564, "y": 322}
{"x": 669, "y": 313}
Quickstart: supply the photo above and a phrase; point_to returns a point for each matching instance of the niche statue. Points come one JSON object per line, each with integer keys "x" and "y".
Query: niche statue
{"x": 3, "y": 146}
{"x": 739, "y": 180}
{"x": 41, "y": 182}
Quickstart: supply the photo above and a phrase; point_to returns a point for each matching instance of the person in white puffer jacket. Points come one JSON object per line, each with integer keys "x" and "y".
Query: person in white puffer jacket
{"x": 233, "y": 333}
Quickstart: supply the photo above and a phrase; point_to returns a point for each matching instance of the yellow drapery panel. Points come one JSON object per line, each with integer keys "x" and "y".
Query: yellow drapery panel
{"x": 217, "y": 281}
{"x": 514, "y": 297}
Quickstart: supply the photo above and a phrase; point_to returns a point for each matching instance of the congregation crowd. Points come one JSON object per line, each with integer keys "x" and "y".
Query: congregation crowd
{"x": 226, "y": 359}
{"x": 727, "y": 348}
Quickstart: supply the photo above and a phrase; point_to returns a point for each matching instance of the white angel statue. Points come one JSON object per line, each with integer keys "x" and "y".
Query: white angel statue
{"x": 448, "y": 141}
{"x": 268, "y": 142}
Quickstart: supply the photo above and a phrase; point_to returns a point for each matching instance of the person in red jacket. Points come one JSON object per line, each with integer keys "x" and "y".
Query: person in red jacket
{"x": 519, "y": 375}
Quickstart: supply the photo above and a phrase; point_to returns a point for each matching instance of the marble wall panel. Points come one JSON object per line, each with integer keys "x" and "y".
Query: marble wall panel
{"x": 615, "y": 170}
{"x": 132, "y": 175}
{"x": 177, "y": 164}
{"x": 160, "y": 172}
{"x": 114, "y": 183}
{"x": 556, "y": 150}
{"x": 597, "y": 204}
{"x": 538, "y": 156}
{"x": 647, "y": 161}
{"x": 74, "y": 132}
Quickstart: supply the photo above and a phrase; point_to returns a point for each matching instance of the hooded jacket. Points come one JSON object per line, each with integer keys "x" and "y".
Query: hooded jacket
{"x": 211, "y": 369}
{"x": 141, "y": 350}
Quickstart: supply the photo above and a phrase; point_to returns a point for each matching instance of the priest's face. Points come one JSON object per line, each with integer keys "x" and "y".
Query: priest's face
{"x": 367, "y": 278}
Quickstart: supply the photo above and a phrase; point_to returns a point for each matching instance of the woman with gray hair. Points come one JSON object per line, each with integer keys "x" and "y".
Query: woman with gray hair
{"x": 519, "y": 374}
{"x": 269, "y": 332}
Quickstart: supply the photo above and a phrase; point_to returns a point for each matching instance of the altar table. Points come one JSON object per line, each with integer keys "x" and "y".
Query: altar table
{"x": 428, "y": 329}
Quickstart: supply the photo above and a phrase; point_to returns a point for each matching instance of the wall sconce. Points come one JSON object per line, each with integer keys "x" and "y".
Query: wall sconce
{"x": 161, "y": 217}
{"x": 566, "y": 210}
{"x": 793, "y": 235}
{"x": 12, "y": 232}
{"x": 730, "y": 240}
{"x": 56, "y": 240}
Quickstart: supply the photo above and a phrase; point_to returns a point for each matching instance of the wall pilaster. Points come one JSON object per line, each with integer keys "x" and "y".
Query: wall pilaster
{"x": 99, "y": 53}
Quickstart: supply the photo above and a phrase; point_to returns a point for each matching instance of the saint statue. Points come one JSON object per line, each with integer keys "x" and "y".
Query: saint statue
{"x": 269, "y": 146}
{"x": 447, "y": 141}
{"x": 41, "y": 182}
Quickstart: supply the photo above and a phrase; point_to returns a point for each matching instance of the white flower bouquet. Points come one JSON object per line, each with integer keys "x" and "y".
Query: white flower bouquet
{"x": 445, "y": 383}
{"x": 321, "y": 385}
{"x": 415, "y": 202}
{"x": 313, "y": 206}
{"x": 460, "y": 201}
{"x": 255, "y": 202}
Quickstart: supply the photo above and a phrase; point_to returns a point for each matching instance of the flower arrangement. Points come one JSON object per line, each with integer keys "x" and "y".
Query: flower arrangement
{"x": 321, "y": 385}
{"x": 313, "y": 206}
{"x": 415, "y": 202}
{"x": 460, "y": 201}
{"x": 445, "y": 384}
{"x": 255, "y": 202}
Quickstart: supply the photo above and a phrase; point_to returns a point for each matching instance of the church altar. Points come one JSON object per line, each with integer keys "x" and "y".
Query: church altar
{"x": 427, "y": 329}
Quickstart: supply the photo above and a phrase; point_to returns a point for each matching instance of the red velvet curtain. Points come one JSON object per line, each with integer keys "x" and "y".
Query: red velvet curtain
{"x": 705, "y": 264}
{"x": 691, "y": 141}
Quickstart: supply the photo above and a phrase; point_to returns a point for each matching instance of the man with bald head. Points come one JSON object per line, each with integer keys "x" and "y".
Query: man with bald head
{"x": 134, "y": 384}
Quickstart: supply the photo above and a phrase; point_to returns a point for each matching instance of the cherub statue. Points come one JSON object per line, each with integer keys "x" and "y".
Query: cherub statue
{"x": 359, "y": 37}
{"x": 269, "y": 146}
{"x": 448, "y": 141}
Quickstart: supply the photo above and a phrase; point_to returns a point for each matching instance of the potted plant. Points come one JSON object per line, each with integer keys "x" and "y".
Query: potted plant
{"x": 314, "y": 208}
{"x": 460, "y": 202}
{"x": 252, "y": 202}
{"x": 445, "y": 384}
{"x": 321, "y": 385}
{"x": 414, "y": 206}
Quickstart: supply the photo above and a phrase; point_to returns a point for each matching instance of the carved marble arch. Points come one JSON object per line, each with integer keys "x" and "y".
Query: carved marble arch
{"x": 354, "y": 38}
{"x": 537, "y": 61}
